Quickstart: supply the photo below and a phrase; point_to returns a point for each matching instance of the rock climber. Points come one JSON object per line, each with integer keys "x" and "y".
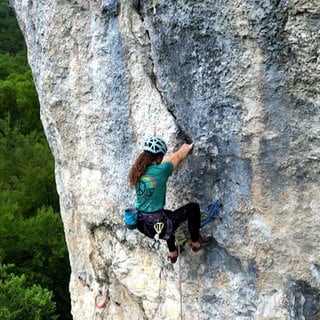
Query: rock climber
{"x": 149, "y": 175}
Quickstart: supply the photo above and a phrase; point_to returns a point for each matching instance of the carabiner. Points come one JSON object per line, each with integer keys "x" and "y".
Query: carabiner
{"x": 158, "y": 226}
{"x": 155, "y": 244}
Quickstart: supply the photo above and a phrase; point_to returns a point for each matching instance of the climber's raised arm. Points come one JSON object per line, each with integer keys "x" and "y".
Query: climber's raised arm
{"x": 179, "y": 155}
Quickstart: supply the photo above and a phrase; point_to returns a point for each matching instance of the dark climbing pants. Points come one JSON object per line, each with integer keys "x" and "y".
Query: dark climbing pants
{"x": 189, "y": 212}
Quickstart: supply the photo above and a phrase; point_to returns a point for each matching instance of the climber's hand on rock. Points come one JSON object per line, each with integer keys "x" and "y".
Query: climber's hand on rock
{"x": 187, "y": 148}
{"x": 180, "y": 155}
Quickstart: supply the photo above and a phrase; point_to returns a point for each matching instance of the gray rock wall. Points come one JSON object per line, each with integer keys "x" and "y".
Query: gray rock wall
{"x": 238, "y": 78}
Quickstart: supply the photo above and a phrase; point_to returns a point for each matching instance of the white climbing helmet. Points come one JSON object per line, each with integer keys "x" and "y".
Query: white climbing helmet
{"x": 155, "y": 145}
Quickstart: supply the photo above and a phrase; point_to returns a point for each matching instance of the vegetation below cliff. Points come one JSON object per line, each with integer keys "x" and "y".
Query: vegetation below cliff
{"x": 34, "y": 265}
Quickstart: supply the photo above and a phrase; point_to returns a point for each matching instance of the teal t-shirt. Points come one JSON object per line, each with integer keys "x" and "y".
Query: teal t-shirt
{"x": 151, "y": 188}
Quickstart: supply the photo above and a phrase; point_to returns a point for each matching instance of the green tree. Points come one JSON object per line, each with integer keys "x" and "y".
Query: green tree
{"x": 8, "y": 100}
{"x": 27, "y": 102}
{"x": 18, "y": 301}
{"x": 27, "y": 170}
{"x": 19, "y": 99}
{"x": 11, "y": 39}
{"x": 38, "y": 250}
{"x": 13, "y": 63}
{"x": 31, "y": 230}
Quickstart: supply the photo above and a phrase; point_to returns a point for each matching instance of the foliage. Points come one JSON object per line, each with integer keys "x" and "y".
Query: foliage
{"x": 19, "y": 99}
{"x": 20, "y": 301}
{"x": 13, "y": 63}
{"x": 32, "y": 238}
{"x": 27, "y": 171}
{"x": 11, "y": 39}
{"x": 37, "y": 249}
{"x": 36, "y": 244}
{"x": 32, "y": 243}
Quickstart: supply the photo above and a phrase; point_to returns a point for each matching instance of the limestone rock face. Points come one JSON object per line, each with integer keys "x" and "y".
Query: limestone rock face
{"x": 238, "y": 78}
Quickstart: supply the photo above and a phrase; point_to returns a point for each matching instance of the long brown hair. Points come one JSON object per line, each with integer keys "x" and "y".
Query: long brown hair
{"x": 140, "y": 165}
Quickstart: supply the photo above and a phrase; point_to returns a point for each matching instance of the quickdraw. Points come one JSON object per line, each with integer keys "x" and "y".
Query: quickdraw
{"x": 214, "y": 208}
{"x": 100, "y": 302}
{"x": 158, "y": 227}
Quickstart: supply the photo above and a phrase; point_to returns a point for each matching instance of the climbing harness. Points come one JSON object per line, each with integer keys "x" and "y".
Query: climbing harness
{"x": 214, "y": 208}
{"x": 100, "y": 302}
{"x": 158, "y": 227}
{"x": 154, "y": 225}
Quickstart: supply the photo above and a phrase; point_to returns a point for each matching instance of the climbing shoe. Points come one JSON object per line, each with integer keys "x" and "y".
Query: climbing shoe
{"x": 173, "y": 259}
{"x": 200, "y": 243}
{"x": 179, "y": 249}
